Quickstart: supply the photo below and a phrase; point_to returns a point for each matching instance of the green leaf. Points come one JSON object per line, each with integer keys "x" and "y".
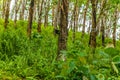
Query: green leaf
{"x": 93, "y": 77}
{"x": 112, "y": 51}
{"x": 71, "y": 66}
{"x": 102, "y": 53}
{"x": 81, "y": 54}
{"x": 116, "y": 59}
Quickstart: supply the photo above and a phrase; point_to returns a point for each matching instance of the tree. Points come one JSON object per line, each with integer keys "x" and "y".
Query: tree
{"x": 75, "y": 16}
{"x": 62, "y": 38}
{"x": 40, "y": 7}
{"x": 93, "y": 31}
{"x": 7, "y": 9}
{"x": 103, "y": 31}
{"x": 115, "y": 24}
{"x": 56, "y": 17}
{"x": 22, "y": 11}
{"x": 17, "y": 6}
{"x": 29, "y": 28}
{"x": 84, "y": 21}
{"x": 47, "y": 5}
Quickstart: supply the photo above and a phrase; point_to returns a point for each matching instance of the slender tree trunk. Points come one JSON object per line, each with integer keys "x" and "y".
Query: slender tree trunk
{"x": 93, "y": 31}
{"x": 114, "y": 29}
{"x": 35, "y": 11}
{"x": 16, "y": 10}
{"x": 46, "y": 13}
{"x": 77, "y": 15}
{"x": 22, "y": 11}
{"x": 103, "y": 6}
{"x": 7, "y": 13}
{"x": 84, "y": 21}
{"x": 71, "y": 21}
{"x": 29, "y": 29}
{"x": 103, "y": 32}
{"x": 53, "y": 14}
{"x": 74, "y": 16}
{"x": 62, "y": 39}
{"x": 40, "y": 16}
{"x": 108, "y": 28}
{"x": 75, "y": 19}
{"x": 56, "y": 18}
{"x": 3, "y": 11}
{"x": 17, "y": 6}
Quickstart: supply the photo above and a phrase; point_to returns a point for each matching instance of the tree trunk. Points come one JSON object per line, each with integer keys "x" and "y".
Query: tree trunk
{"x": 17, "y": 6}
{"x": 7, "y": 13}
{"x": 35, "y": 11}
{"x": 74, "y": 16}
{"x": 53, "y": 14}
{"x": 75, "y": 19}
{"x": 29, "y": 29}
{"x": 84, "y": 21}
{"x": 56, "y": 18}
{"x": 3, "y": 11}
{"x": 40, "y": 16}
{"x": 114, "y": 29}
{"x": 62, "y": 39}
{"x": 46, "y": 13}
{"x": 93, "y": 31}
{"x": 22, "y": 10}
{"x": 103, "y": 32}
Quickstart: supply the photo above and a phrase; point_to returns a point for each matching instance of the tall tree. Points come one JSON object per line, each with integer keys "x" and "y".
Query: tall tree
{"x": 17, "y": 6}
{"x": 84, "y": 21}
{"x": 57, "y": 16}
{"x": 75, "y": 16}
{"x": 103, "y": 31}
{"x": 3, "y": 8}
{"x": 22, "y": 11}
{"x": 29, "y": 28}
{"x": 40, "y": 7}
{"x": 62, "y": 39}
{"x": 47, "y": 5}
{"x": 7, "y": 10}
{"x": 115, "y": 25}
{"x": 93, "y": 30}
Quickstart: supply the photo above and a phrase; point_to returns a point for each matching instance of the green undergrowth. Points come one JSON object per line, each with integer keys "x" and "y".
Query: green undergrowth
{"x": 22, "y": 58}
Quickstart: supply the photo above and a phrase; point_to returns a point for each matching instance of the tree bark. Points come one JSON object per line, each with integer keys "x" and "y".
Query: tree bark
{"x": 103, "y": 31}
{"x": 114, "y": 29}
{"x": 62, "y": 38}
{"x": 56, "y": 18}
{"x": 22, "y": 11}
{"x": 74, "y": 16}
{"x": 53, "y": 14}
{"x": 84, "y": 21}
{"x": 7, "y": 13}
{"x": 17, "y": 6}
{"x": 92, "y": 39}
{"x": 3, "y": 7}
{"x": 39, "y": 16}
{"x": 29, "y": 29}
{"x": 46, "y": 13}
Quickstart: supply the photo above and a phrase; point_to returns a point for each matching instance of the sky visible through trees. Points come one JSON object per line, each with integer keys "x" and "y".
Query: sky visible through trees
{"x": 81, "y": 10}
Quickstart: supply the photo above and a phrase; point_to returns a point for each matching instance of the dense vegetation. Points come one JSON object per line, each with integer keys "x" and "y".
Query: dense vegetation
{"x": 59, "y": 40}
{"x": 35, "y": 58}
